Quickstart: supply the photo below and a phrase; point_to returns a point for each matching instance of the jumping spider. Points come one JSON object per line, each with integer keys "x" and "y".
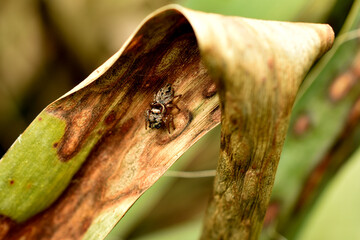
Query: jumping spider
{"x": 159, "y": 114}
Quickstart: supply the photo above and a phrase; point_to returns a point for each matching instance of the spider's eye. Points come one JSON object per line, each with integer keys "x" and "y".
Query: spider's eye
{"x": 155, "y": 111}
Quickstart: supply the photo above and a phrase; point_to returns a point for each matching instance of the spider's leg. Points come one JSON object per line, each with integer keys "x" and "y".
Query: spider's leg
{"x": 156, "y": 105}
{"x": 167, "y": 122}
{"x": 163, "y": 108}
{"x": 173, "y": 105}
{"x": 170, "y": 119}
{"x": 147, "y": 113}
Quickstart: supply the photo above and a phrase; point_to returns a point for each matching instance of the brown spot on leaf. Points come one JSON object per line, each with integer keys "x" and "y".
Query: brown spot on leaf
{"x": 341, "y": 86}
{"x": 270, "y": 63}
{"x": 250, "y": 189}
{"x": 356, "y": 65}
{"x": 135, "y": 42}
{"x": 110, "y": 118}
{"x": 125, "y": 127}
{"x": 234, "y": 120}
{"x": 302, "y": 124}
{"x": 311, "y": 184}
{"x": 40, "y": 118}
{"x": 271, "y": 213}
{"x": 55, "y": 145}
{"x": 11, "y": 182}
{"x": 210, "y": 91}
{"x": 336, "y": 156}
{"x": 86, "y": 224}
{"x": 74, "y": 133}
{"x": 354, "y": 114}
{"x": 216, "y": 114}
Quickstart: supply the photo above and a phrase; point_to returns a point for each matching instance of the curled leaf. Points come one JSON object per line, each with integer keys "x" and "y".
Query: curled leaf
{"x": 258, "y": 80}
{"x": 87, "y": 157}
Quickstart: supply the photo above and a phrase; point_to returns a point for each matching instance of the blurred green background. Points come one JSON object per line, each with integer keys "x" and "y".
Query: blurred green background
{"x": 47, "y": 47}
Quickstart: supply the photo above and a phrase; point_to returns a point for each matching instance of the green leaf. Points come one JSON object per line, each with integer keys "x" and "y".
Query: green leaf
{"x": 282, "y": 10}
{"x": 319, "y": 117}
{"x": 336, "y": 214}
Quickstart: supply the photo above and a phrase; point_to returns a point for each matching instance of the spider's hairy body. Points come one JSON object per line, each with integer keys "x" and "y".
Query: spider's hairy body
{"x": 159, "y": 114}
